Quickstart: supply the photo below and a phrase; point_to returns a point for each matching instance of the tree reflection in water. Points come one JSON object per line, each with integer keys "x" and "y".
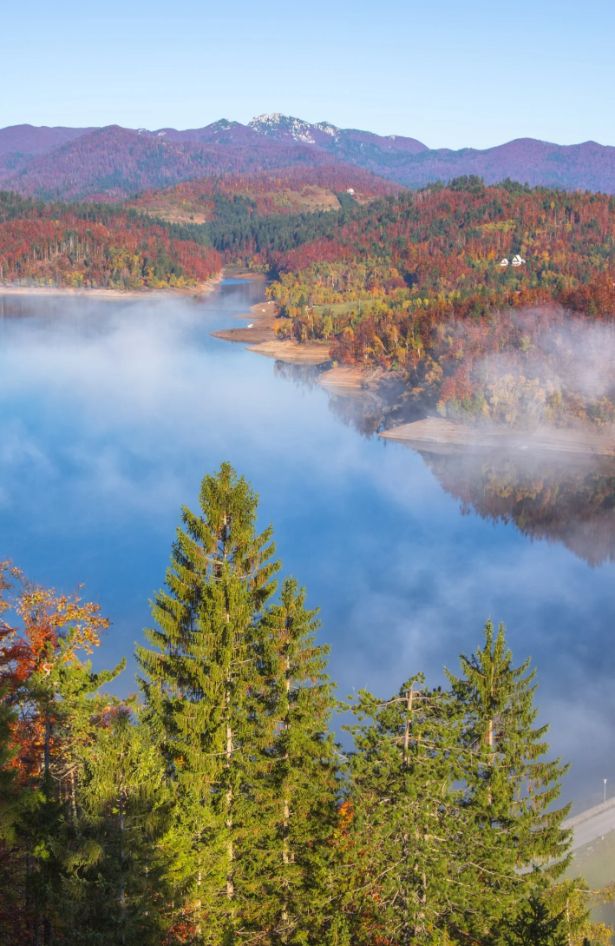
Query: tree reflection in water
{"x": 559, "y": 497}
{"x": 554, "y": 497}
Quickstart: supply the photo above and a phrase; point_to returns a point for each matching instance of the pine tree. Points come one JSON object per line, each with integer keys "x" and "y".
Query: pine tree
{"x": 516, "y": 842}
{"x": 117, "y": 871}
{"x": 300, "y": 789}
{"x": 200, "y": 677}
{"x": 535, "y": 926}
{"x": 402, "y": 815}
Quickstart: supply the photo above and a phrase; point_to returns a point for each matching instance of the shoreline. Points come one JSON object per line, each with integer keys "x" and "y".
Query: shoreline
{"x": 435, "y": 433}
{"x": 98, "y": 292}
{"x": 438, "y": 434}
{"x": 338, "y": 380}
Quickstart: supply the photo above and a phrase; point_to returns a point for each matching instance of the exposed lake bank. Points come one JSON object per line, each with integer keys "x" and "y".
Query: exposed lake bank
{"x": 438, "y": 432}
{"x": 369, "y": 385}
{"x": 260, "y": 337}
{"x": 98, "y": 292}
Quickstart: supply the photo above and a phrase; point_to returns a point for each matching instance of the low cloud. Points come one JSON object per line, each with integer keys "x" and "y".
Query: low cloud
{"x": 109, "y": 417}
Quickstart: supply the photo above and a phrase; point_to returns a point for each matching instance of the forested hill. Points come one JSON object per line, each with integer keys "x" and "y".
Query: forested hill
{"x": 285, "y": 191}
{"x": 426, "y": 282}
{"x": 172, "y": 237}
{"x": 441, "y": 251}
{"x": 96, "y": 246}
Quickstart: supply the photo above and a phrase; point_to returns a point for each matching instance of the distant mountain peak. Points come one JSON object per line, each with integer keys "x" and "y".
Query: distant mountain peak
{"x": 277, "y": 125}
{"x": 327, "y": 128}
{"x": 223, "y": 124}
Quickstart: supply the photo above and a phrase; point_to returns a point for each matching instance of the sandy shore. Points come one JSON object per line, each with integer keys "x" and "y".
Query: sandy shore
{"x": 350, "y": 381}
{"x": 200, "y": 289}
{"x": 261, "y": 319}
{"x": 437, "y": 432}
{"x": 260, "y": 337}
{"x": 309, "y": 353}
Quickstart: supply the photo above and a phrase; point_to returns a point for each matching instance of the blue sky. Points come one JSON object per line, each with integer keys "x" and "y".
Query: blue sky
{"x": 449, "y": 72}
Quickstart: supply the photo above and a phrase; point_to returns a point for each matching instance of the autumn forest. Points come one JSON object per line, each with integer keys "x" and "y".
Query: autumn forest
{"x": 422, "y": 284}
{"x": 237, "y": 797}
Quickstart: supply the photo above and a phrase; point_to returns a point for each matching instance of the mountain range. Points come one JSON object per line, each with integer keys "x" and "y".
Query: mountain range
{"x": 116, "y": 163}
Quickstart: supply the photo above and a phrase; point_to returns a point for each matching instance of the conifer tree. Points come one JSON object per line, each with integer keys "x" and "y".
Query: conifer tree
{"x": 535, "y": 926}
{"x": 515, "y": 838}
{"x": 403, "y": 806}
{"x": 302, "y": 783}
{"x": 118, "y": 869}
{"x": 201, "y": 676}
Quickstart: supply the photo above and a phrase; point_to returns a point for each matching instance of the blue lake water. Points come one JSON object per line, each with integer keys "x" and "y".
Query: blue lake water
{"x": 111, "y": 411}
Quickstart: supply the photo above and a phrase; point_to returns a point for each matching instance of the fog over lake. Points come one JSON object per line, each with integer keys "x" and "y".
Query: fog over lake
{"x": 111, "y": 411}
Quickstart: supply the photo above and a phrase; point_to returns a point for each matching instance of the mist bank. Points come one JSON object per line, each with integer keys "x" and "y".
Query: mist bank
{"x": 553, "y": 483}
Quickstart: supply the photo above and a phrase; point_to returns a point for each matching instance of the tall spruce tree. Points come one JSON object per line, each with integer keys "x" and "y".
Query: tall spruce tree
{"x": 201, "y": 677}
{"x": 117, "y": 872}
{"x": 301, "y": 784}
{"x": 515, "y": 838}
{"x": 402, "y": 817}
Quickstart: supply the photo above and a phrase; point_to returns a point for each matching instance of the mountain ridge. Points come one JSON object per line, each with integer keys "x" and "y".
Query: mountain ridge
{"x": 114, "y": 163}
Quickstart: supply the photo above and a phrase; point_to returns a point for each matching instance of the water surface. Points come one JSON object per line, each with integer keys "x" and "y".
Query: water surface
{"x": 112, "y": 411}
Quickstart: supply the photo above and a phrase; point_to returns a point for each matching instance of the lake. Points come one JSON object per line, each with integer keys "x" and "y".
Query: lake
{"x": 111, "y": 411}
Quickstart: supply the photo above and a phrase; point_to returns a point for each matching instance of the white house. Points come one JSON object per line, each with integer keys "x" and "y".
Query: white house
{"x": 504, "y": 262}
{"x": 518, "y": 260}
{"x": 350, "y": 190}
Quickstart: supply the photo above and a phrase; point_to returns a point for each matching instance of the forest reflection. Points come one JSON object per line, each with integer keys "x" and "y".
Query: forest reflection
{"x": 569, "y": 499}
{"x": 558, "y": 498}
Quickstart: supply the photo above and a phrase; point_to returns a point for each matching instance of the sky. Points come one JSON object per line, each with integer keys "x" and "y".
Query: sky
{"x": 451, "y": 73}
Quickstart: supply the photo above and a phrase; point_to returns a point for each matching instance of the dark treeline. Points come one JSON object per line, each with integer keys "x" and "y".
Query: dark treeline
{"x": 218, "y": 808}
{"x": 243, "y": 235}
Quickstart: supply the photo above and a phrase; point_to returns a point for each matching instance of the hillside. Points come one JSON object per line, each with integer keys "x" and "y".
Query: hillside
{"x": 95, "y": 246}
{"x": 285, "y": 191}
{"x": 416, "y": 284}
{"x": 114, "y": 162}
